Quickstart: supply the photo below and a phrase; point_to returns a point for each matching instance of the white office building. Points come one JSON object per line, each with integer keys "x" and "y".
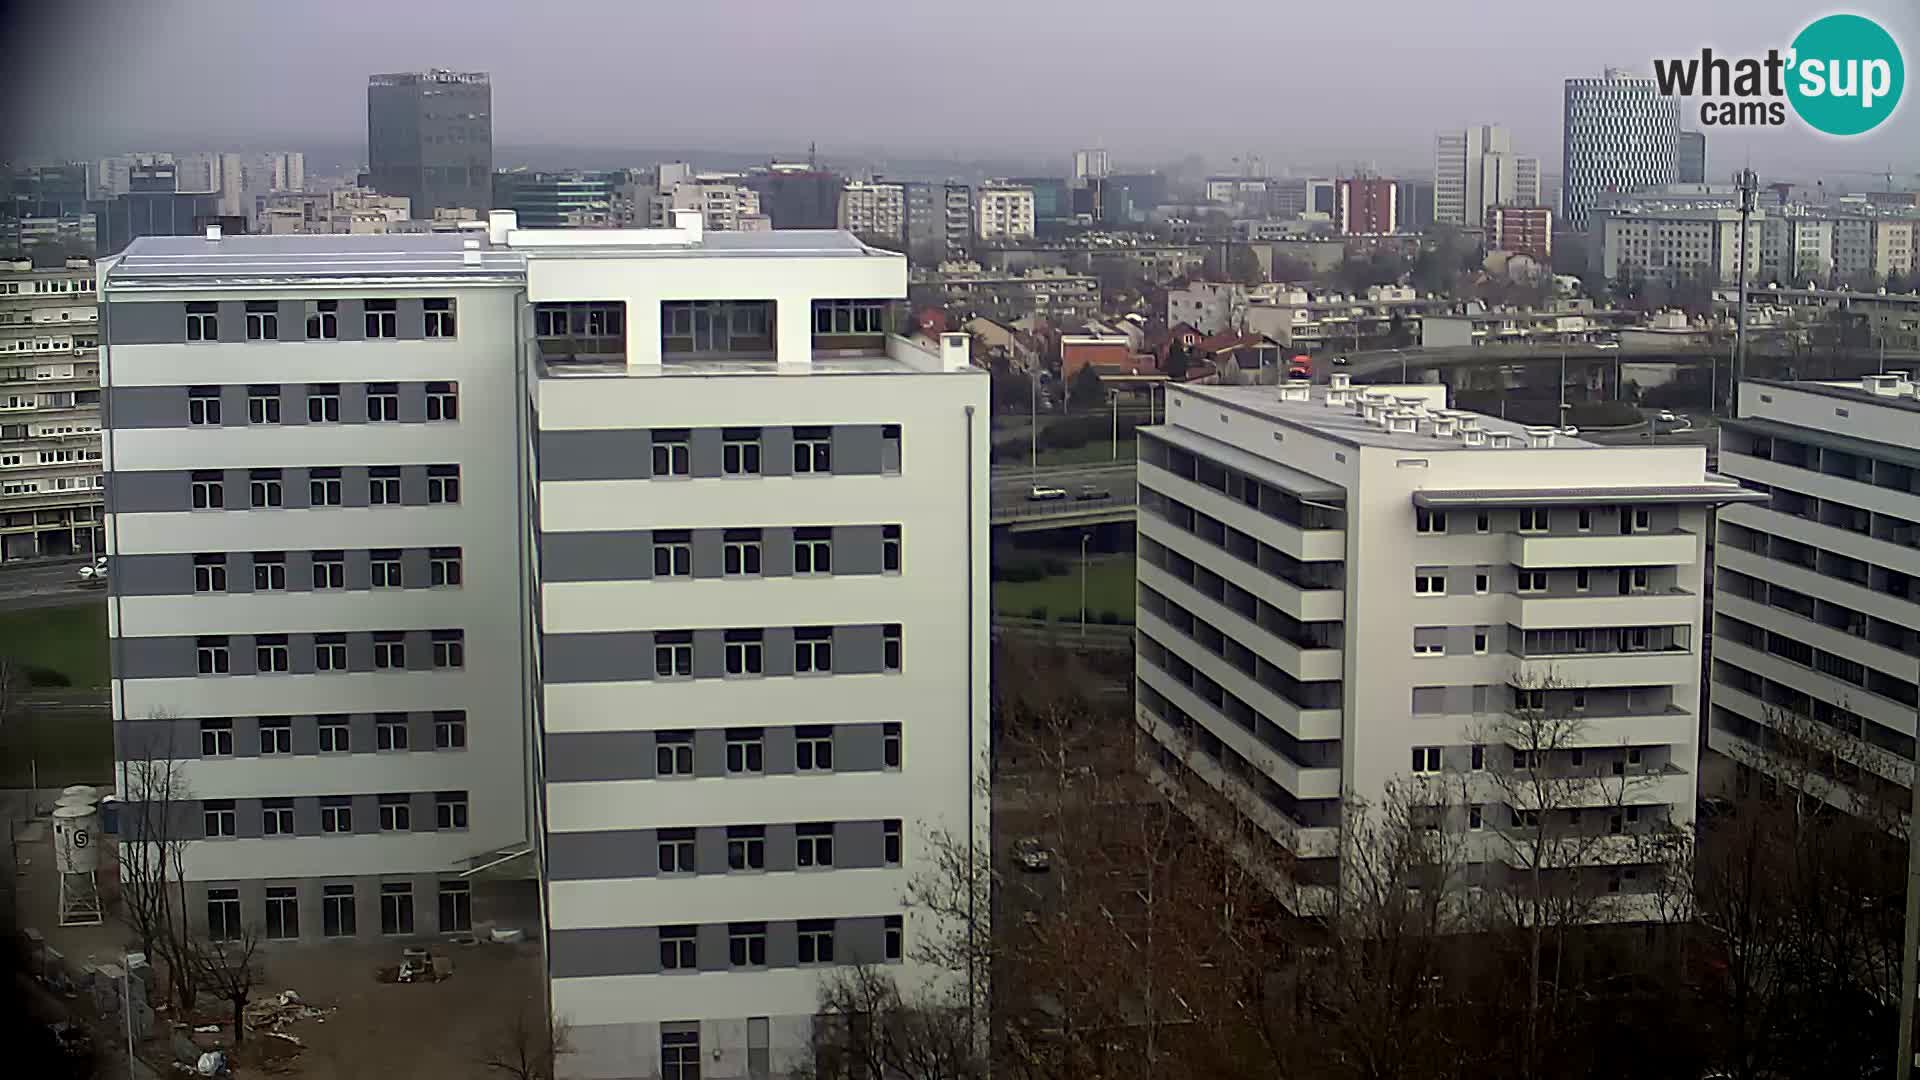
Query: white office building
{"x": 50, "y": 471}
{"x": 1620, "y": 135}
{"x": 1342, "y": 589}
{"x": 1475, "y": 169}
{"x": 1816, "y": 601}
{"x": 646, "y": 561}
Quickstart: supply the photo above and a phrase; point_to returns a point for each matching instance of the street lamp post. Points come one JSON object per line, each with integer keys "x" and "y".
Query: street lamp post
{"x": 1084, "y": 537}
{"x": 1115, "y": 395}
{"x": 1033, "y": 424}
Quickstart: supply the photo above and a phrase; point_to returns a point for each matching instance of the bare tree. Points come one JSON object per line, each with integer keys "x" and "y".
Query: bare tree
{"x": 866, "y": 1030}
{"x": 151, "y": 854}
{"x": 527, "y": 1044}
{"x": 230, "y": 968}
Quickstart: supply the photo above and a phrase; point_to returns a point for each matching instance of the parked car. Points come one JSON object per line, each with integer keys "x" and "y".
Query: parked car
{"x": 1045, "y": 494}
{"x": 1570, "y": 430}
{"x": 1031, "y": 855}
{"x": 1089, "y": 493}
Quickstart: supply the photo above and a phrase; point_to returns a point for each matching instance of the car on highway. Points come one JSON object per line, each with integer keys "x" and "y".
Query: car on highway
{"x": 1046, "y": 494}
{"x": 94, "y": 573}
{"x": 1340, "y": 361}
{"x": 1667, "y": 417}
{"x": 1570, "y": 430}
{"x": 1031, "y": 855}
{"x": 1090, "y": 493}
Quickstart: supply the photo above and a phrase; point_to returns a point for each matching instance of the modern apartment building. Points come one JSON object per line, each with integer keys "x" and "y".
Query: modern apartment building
{"x": 646, "y": 561}
{"x": 1678, "y": 241}
{"x": 430, "y": 138}
{"x": 1620, "y": 134}
{"x": 1521, "y": 230}
{"x": 1004, "y": 213}
{"x": 1475, "y": 169}
{"x": 1368, "y": 207}
{"x": 875, "y": 211}
{"x": 725, "y": 204}
{"x": 958, "y": 221}
{"x": 1343, "y": 588}
{"x": 50, "y": 471}
{"x": 1817, "y": 591}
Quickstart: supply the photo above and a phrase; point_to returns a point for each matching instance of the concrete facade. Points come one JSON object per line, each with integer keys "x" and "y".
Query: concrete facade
{"x": 50, "y": 459}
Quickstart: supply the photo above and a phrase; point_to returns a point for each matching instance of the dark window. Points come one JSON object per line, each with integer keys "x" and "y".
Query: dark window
{"x": 329, "y": 570}
{"x": 209, "y": 573}
{"x": 439, "y": 317}
{"x": 324, "y": 487}
{"x": 890, "y": 647}
{"x": 443, "y": 483}
{"x": 890, "y": 745}
{"x": 673, "y": 753}
{"x": 891, "y": 842}
{"x": 263, "y": 320}
{"x": 383, "y": 402}
{"x": 383, "y": 485}
{"x": 323, "y": 403}
{"x": 812, "y": 450}
{"x": 203, "y": 406}
{"x": 323, "y": 320}
{"x": 890, "y": 549}
{"x": 450, "y": 730}
{"x": 443, "y": 401}
{"x": 746, "y": 748}
{"x": 383, "y": 318}
{"x": 203, "y": 321}
{"x": 746, "y": 847}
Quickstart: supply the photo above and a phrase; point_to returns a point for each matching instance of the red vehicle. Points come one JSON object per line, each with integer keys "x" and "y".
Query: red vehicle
{"x": 1300, "y": 367}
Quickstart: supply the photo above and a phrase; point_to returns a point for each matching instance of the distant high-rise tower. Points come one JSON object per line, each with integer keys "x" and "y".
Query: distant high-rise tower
{"x": 1620, "y": 135}
{"x": 1475, "y": 170}
{"x": 430, "y": 138}
{"x": 1691, "y": 161}
{"x": 1090, "y": 165}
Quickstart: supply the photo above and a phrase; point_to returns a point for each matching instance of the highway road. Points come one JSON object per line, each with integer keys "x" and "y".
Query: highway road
{"x": 1012, "y": 482}
{"x": 48, "y": 584}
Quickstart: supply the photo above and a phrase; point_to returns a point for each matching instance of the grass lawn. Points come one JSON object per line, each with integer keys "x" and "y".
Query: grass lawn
{"x": 1109, "y": 588}
{"x": 71, "y": 640}
{"x": 1097, "y": 452}
{"x": 56, "y": 747}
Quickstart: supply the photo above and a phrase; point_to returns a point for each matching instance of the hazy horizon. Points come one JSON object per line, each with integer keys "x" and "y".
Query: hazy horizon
{"x": 1007, "y": 82}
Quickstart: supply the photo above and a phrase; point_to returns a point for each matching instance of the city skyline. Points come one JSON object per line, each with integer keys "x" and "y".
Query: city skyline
{"x": 173, "y": 68}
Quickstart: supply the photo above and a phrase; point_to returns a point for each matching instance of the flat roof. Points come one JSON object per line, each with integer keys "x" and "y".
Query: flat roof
{"x": 722, "y": 368}
{"x": 1299, "y": 484}
{"x": 1342, "y": 424}
{"x": 1849, "y": 391}
{"x": 190, "y": 261}
{"x": 1705, "y": 492}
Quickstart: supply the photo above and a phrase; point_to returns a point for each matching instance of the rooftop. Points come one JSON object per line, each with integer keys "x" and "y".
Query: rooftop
{"x": 1855, "y": 390}
{"x": 1319, "y": 411}
{"x": 189, "y": 261}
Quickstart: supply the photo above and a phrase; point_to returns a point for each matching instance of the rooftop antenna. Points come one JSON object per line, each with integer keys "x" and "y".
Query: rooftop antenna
{"x": 1748, "y": 184}
{"x": 810, "y": 155}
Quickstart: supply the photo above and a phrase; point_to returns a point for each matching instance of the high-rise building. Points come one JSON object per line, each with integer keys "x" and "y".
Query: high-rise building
{"x": 1816, "y": 599}
{"x": 1090, "y": 165}
{"x": 1620, "y": 135}
{"x": 725, "y": 204}
{"x": 1655, "y": 242}
{"x": 430, "y": 138}
{"x": 1369, "y": 206}
{"x": 1052, "y": 200}
{"x": 797, "y": 196}
{"x": 1475, "y": 169}
{"x": 1439, "y": 598}
{"x": 1690, "y": 157}
{"x": 46, "y": 202}
{"x": 926, "y": 222}
{"x": 1521, "y": 230}
{"x": 152, "y": 205}
{"x": 730, "y": 581}
{"x": 50, "y": 464}
{"x": 957, "y": 222}
{"x": 556, "y": 200}
{"x": 1003, "y": 213}
{"x": 875, "y": 211}
{"x": 1414, "y": 200}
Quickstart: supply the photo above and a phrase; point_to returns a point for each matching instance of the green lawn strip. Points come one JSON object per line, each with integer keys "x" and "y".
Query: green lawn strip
{"x": 71, "y": 640}
{"x": 1110, "y": 581}
{"x": 56, "y": 747}
{"x": 1094, "y": 453}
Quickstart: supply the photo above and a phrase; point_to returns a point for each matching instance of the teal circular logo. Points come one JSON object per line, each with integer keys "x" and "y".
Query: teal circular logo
{"x": 1847, "y": 75}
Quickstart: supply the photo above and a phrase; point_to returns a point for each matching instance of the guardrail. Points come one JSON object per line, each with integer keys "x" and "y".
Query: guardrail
{"x": 1030, "y": 509}
{"x": 1105, "y": 636}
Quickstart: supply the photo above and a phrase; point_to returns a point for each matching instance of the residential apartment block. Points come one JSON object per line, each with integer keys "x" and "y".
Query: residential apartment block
{"x": 875, "y": 210}
{"x": 1817, "y": 587}
{"x": 1344, "y": 589}
{"x": 1677, "y": 242}
{"x": 628, "y": 586}
{"x": 50, "y": 471}
{"x": 1005, "y": 212}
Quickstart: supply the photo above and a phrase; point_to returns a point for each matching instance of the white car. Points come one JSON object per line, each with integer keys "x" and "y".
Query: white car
{"x": 1339, "y": 361}
{"x": 1569, "y": 430}
{"x": 96, "y": 571}
{"x": 1046, "y": 494}
{"x": 1667, "y": 417}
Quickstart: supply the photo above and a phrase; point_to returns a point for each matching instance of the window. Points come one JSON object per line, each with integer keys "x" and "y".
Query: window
{"x": 1529, "y": 700}
{"x": 814, "y": 846}
{"x": 890, "y": 647}
{"x": 450, "y": 810}
{"x": 390, "y": 731}
{"x": 276, "y": 817}
{"x": 746, "y": 847}
{"x": 890, "y": 745}
{"x": 323, "y": 403}
{"x": 1429, "y": 584}
{"x": 849, "y": 317}
{"x": 443, "y": 567}
{"x": 675, "y": 849}
{"x": 1642, "y": 520}
{"x": 263, "y": 320}
{"x": 203, "y": 321}
{"x": 747, "y": 944}
{"x": 1635, "y": 639}
{"x": 383, "y": 403}
{"x": 680, "y": 1054}
{"x": 740, "y": 451}
{"x": 223, "y": 914}
{"x": 890, "y": 549}
{"x": 890, "y": 842}
{"x": 209, "y": 491}
{"x": 1532, "y": 581}
{"x": 209, "y": 573}
{"x": 746, "y": 751}
{"x": 673, "y": 753}
{"x": 672, "y": 554}
{"x": 1525, "y": 819}
{"x": 890, "y": 449}
{"x": 262, "y": 404}
{"x": 813, "y": 749}
{"x": 323, "y": 487}
{"x": 216, "y": 738}
{"x": 396, "y": 907}
{"x": 1429, "y": 521}
{"x": 1637, "y": 579}
{"x": 330, "y": 570}
{"x": 276, "y": 735}
{"x": 383, "y": 485}
{"x": 203, "y": 406}
{"x": 335, "y": 737}
{"x": 383, "y": 567}
{"x": 1426, "y": 759}
{"x": 670, "y": 455}
{"x": 389, "y": 650}
{"x": 443, "y": 484}
{"x": 218, "y": 817}
{"x": 264, "y": 489}
{"x": 1585, "y": 523}
{"x": 1482, "y": 522}
{"x": 1479, "y": 758}
{"x": 443, "y": 401}
{"x": 740, "y": 556}
{"x": 1481, "y": 582}
{"x": 396, "y": 813}
{"x": 1479, "y": 642}
{"x": 1533, "y": 519}
{"x": 210, "y": 655}
{"x": 336, "y": 910}
{"x": 449, "y": 649}
{"x": 383, "y": 318}
{"x": 1582, "y": 580}
{"x": 323, "y": 320}
{"x": 812, "y": 450}
{"x": 456, "y": 906}
{"x": 450, "y": 730}
{"x": 1475, "y": 819}
{"x": 673, "y": 654}
{"x": 812, "y": 649}
{"x": 816, "y": 941}
{"x": 745, "y": 652}
{"x": 330, "y": 652}
{"x": 439, "y": 320}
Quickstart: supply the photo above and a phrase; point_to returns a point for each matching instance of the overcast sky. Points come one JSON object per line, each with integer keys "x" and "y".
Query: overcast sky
{"x": 1311, "y": 84}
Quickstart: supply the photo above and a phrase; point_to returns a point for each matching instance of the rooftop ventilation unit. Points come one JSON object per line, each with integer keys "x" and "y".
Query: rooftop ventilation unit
{"x": 1403, "y": 422}
{"x": 1500, "y": 440}
{"x": 470, "y": 252}
{"x": 1473, "y": 436}
{"x": 1296, "y": 390}
{"x": 1340, "y": 380}
{"x": 1412, "y": 403}
{"x": 1887, "y": 385}
{"x": 1541, "y": 438}
{"x": 1444, "y": 426}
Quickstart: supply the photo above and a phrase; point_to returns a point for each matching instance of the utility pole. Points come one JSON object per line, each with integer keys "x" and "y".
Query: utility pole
{"x": 1116, "y": 424}
{"x": 1084, "y": 537}
{"x": 1910, "y": 948}
{"x": 1749, "y": 186}
{"x": 1033, "y": 424}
